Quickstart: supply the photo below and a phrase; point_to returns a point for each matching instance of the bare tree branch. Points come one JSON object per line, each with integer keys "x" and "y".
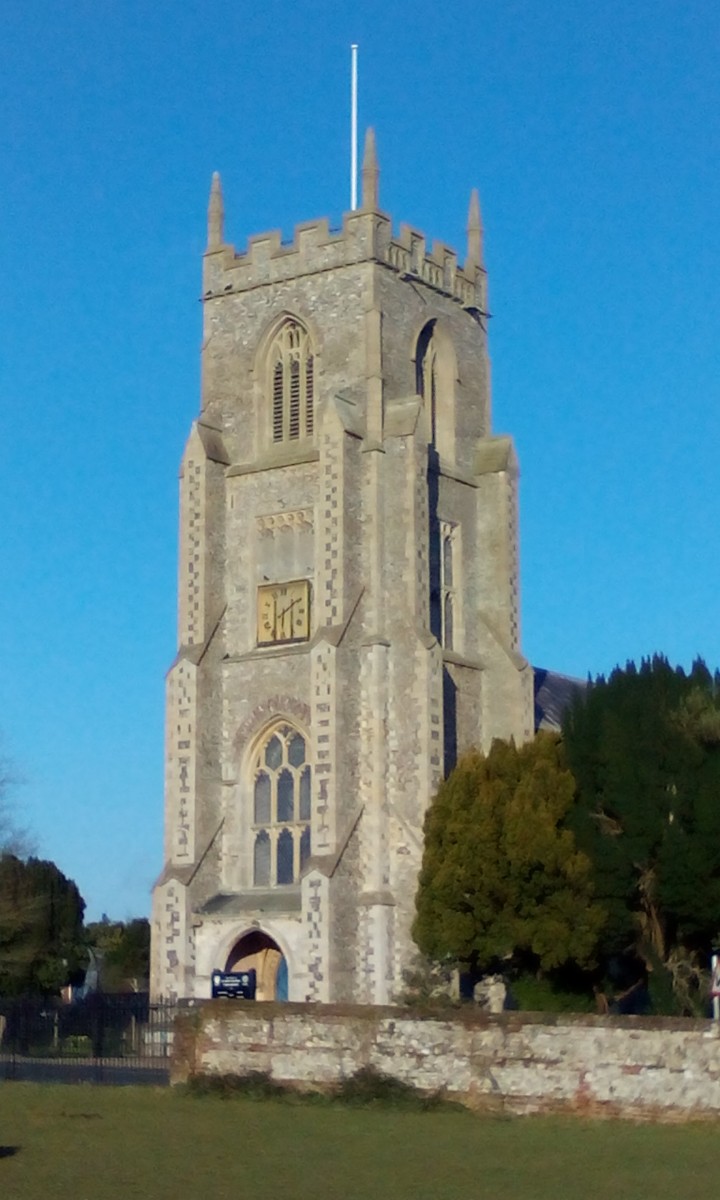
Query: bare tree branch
{"x": 14, "y": 838}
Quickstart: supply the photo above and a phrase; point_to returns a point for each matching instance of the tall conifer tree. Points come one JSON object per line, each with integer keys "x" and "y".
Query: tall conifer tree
{"x": 501, "y": 873}
{"x": 644, "y": 747}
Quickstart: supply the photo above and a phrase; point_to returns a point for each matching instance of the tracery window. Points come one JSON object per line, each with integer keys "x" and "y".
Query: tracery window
{"x": 291, "y": 366}
{"x": 447, "y": 585}
{"x": 282, "y": 780}
{"x": 444, "y": 591}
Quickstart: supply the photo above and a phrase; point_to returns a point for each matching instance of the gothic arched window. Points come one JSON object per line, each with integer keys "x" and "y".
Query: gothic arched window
{"x": 435, "y": 380}
{"x": 282, "y": 779}
{"x": 426, "y": 368}
{"x": 291, "y": 370}
{"x": 447, "y": 585}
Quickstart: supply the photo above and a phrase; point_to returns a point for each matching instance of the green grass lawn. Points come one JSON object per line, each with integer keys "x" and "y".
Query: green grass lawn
{"x": 102, "y": 1143}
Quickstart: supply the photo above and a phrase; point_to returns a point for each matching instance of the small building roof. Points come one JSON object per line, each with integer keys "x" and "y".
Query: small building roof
{"x": 553, "y": 695}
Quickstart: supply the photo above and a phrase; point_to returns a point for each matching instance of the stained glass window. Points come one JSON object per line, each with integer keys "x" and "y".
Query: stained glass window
{"x": 282, "y": 808}
{"x": 262, "y": 859}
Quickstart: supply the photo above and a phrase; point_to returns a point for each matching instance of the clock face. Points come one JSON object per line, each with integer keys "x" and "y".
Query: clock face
{"x": 283, "y": 612}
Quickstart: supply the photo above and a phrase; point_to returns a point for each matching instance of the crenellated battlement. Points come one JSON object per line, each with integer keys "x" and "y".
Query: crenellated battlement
{"x": 365, "y": 236}
{"x": 348, "y": 601}
{"x": 438, "y": 267}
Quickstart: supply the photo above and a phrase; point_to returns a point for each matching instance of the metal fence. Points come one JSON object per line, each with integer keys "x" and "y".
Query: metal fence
{"x": 100, "y": 1039}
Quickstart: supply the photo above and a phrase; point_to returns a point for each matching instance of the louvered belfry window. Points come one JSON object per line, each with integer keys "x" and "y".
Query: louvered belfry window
{"x": 292, "y": 383}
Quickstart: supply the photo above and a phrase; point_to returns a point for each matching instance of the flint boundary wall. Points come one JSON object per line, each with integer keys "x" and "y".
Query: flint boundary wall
{"x": 640, "y": 1068}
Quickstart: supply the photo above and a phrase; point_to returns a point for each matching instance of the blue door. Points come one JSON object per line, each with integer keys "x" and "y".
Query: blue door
{"x": 281, "y": 980}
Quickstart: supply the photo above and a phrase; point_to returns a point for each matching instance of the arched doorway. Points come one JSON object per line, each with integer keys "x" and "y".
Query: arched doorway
{"x": 258, "y": 952}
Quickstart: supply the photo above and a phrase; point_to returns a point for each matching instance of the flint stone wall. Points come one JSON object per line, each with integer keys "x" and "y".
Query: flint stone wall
{"x": 634, "y": 1067}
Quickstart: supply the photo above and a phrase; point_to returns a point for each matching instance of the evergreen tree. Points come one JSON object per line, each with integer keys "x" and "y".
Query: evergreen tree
{"x": 501, "y": 873}
{"x": 41, "y": 914}
{"x": 644, "y": 747}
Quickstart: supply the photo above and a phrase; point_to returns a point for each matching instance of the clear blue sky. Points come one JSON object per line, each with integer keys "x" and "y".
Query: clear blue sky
{"x": 592, "y": 133}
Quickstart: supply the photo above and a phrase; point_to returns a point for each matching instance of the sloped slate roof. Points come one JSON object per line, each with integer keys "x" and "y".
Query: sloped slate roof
{"x": 553, "y": 694}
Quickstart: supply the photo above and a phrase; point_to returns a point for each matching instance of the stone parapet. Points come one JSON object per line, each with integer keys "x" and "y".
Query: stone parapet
{"x": 633, "y": 1067}
{"x": 364, "y": 237}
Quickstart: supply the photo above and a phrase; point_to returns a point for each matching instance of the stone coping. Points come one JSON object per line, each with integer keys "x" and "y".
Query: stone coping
{"x": 467, "y": 1015}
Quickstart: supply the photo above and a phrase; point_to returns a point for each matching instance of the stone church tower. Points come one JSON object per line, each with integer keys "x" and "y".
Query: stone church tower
{"x": 348, "y": 602}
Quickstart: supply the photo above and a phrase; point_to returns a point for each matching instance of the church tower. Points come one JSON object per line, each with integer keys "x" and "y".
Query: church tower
{"x": 348, "y": 602}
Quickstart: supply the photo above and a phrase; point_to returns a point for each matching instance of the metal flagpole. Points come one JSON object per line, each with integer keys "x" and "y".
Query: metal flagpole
{"x": 353, "y": 126}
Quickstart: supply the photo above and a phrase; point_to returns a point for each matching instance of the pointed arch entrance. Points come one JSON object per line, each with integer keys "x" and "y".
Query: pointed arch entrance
{"x": 257, "y": 951}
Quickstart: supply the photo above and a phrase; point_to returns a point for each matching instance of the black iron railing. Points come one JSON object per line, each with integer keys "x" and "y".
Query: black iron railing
{"x": 109, "y": 1038}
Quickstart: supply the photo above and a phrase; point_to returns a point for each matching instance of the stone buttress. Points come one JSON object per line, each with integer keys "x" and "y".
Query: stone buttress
{"x": 348, "y": 602}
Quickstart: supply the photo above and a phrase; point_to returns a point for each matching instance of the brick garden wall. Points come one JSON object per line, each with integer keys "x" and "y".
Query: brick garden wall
{"x": 635, "y": 1067}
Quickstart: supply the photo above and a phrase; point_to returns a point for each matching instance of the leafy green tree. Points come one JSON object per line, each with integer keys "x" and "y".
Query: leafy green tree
{"x": 123, "y": 951}
{"x": 644, "y": 747}
{"x": 41, "y": 938}
{"x": 501, "y": 873}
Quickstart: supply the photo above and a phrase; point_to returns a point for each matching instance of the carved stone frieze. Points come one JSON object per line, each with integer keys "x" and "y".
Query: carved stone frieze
{"x": 299, "y": 521}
